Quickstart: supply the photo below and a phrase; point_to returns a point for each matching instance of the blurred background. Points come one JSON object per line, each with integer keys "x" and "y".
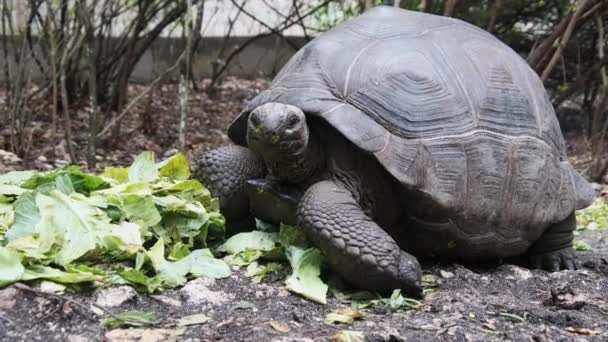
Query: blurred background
{"x": 95, "y": 82}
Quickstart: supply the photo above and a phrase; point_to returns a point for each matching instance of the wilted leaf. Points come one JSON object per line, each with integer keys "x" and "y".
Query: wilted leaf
{"x": 279, "y": 326}
{"x": 398, "y": 301}
{"x": 344, "y": 315}
{"x": 193, "y": 320}
{"x": 582, "y": 331}
{"x": 243, "y": 305}
{"x": 258, "y": 272}
{"x": 129, "y": 319}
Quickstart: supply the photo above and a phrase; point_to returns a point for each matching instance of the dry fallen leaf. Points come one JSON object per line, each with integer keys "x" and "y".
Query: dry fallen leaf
{"x": 344, "y": 315}
{"x": 193, "y": 320}
{"x": 279, "y": 326}
{"x": 581, "y": 331}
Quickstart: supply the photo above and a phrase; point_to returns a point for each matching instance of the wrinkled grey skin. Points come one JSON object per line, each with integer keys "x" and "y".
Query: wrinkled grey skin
{"x": 397, "y": 134}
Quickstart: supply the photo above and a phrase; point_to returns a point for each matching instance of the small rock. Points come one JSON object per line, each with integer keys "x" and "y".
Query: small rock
{"x": 283, "y": 293}
{"x": 446, "y": 274}
{"x": 77, "y": 338}
{"x": 167, "y": 300}
{"x": 42, "y": 159}
{"x": 170, "y": 152}
{"x": 563, "y": 296}
{"x": 9, "y": 297}
{"x": 115, "y": 296}
{"x": 147, "y": 335}
{"x": 517, "y": 272}
{"x": 197, "y": 292}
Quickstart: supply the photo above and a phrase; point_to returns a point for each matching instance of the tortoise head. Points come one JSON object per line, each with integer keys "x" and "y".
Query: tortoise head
{"x": 280, "y": 135}
{"x": 277, "y": 131}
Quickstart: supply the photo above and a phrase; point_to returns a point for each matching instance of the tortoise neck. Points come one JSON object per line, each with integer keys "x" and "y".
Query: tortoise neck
{"x": 300, "y": 166}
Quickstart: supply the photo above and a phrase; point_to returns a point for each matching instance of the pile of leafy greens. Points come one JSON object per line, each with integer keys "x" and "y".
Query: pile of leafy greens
{"x": 148, "y": 225}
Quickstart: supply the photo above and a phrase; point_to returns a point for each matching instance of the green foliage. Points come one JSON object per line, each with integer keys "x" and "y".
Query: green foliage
{"x": 581, "y": 246}
{"x": 65, "y": 216}
{"x": 306, "y": 269}
{"x": 336, "y": 12}
{"x": 594, "y": 217}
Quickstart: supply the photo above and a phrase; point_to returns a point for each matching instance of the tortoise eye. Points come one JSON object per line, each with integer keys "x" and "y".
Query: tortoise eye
{"x": 254, "y": 119}
{"x": 292, "y": 121}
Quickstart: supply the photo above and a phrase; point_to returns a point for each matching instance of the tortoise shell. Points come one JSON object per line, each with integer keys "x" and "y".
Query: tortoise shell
{"x": 451, "y": 112}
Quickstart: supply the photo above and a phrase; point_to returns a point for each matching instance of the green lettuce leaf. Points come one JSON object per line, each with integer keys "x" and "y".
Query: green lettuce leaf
{"x": 254, "y": 240}
{"x": 118, "y": 174}
{"x": 176, "y": 167}
{"x": 11, "y": 190}
{"x": 198, "y": 263}
{"x": 143, "y": 168}
{"x": 7, "y": 217}
{"x": 79, "y": 222}
{"x": 306, "y": 268}
{"x": 59, "y": 276}
{"x": 82, "y": 182}
{"x": 11, "y": 269}
{"x": 16, "y": 177}
{"x": 27, "y": 217}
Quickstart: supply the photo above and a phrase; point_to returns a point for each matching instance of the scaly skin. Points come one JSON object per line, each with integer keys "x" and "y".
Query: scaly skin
{"x": 225, "y": 171}
{"x": 553, "y": 250}
{"x": 353, "y": 244}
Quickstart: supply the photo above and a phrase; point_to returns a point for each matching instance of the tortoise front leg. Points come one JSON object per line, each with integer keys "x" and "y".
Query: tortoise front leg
{"x": 225, "y": 172}
{"x": 354, "y": 245}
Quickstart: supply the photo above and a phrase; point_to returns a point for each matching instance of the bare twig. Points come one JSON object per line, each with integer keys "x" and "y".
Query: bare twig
{"x": 580, "y": 7}
{"x": 599, "y": 123}
{"x": 450, "y": 8}
{"x": 495, "y": 12}
{"x": 134, "y": 101}
{"x": 287, "y": 23}
{"x": 271, "y": 29}
{"x": 425, "y": 6}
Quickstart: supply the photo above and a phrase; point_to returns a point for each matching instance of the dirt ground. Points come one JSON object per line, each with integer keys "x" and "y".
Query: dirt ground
{"x": 507, "y": 302}
{"x": 503, "y": 303}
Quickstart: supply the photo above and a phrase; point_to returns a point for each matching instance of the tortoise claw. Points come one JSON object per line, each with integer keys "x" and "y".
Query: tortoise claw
{"x": 554, "y": 261}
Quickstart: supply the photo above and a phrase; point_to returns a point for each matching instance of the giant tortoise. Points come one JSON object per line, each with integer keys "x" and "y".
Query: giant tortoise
{"x": 399, "y": 134}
